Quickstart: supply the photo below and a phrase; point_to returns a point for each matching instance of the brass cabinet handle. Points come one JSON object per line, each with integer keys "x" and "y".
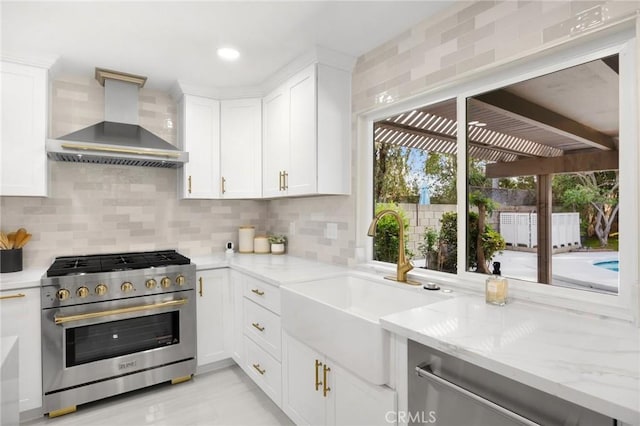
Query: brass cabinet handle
{"x": 318, "y": 382}
{"x": 90, "y": 315}
{"x": 222, "y": 186}
{"x": 285, "y": 179}
{"x": 325, "y": 388}
{"x": 120, "y": 150}
{"x": 200, "y": 281}
{"x": 189, "y": 184}
{"x": 257, "y": 291}
{"x": 258, "y": 369}
{"x": 280, "y": 176}
{"x": 257, "y": 325}
{"x": 13, "y": 296}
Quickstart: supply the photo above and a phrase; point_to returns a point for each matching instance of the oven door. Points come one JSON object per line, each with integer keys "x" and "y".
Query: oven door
{"x": 101, "y": 341}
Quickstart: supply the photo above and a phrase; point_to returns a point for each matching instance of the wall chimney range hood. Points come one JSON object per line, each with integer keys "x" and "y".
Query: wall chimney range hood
{"x": 119, "y": 139}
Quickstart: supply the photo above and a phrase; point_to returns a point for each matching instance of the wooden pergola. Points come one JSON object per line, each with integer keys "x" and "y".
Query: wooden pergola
{"x": 564, "y": 122}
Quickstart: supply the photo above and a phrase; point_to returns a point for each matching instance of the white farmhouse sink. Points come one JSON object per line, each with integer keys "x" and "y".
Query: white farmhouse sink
{"x": 339, "y": 317}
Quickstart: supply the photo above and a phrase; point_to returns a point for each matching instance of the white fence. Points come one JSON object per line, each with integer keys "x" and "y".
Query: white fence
{"x": 521, "y": 229}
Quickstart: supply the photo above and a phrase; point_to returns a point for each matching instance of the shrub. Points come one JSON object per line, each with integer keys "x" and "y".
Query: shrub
{"x": 492, "y": 241}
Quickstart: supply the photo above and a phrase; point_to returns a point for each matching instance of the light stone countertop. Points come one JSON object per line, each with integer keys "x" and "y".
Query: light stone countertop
{"x": 274, "y": 269}
{"x": 590, "y": 361}
{"x": 26, "y": 278}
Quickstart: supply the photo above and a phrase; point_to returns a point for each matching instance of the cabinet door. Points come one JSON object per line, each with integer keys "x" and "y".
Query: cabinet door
{"x": 214, "y": 315}
{"x": 201, "y": 138}
{"x": 275, "y": 142}
{"x": 24, "y": 126}
{"x": 302, "y": 400}
{"x": 237, "y": 336}
{"x": 20, "y": 316}
{"x": 302, "y": 171}
{"x": 356, "y": 402}
{"x": 241, "y": 148}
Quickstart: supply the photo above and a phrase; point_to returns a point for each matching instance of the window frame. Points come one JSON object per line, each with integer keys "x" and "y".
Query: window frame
{"x": 617, "y": 39}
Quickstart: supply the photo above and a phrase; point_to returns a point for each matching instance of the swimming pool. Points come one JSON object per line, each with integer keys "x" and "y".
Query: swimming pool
{"x": 611, "y": 265}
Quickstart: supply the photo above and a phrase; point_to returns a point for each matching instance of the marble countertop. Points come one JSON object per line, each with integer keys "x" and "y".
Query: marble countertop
{"x": 274, "y": 269}
{"x": 590, "y": 361}
{"x": 26, "y": 278}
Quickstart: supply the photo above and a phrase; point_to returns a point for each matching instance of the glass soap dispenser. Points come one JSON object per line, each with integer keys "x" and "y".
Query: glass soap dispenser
{"x": 496, "y": 287}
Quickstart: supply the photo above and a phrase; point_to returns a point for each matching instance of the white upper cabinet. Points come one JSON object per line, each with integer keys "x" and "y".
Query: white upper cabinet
{"x": 241, "y": 148}
{"x": 200, "y": 136}
{"x": 306, "y": 134}
{"x": 23, "y": 160}
{"x": 275, "y": 143}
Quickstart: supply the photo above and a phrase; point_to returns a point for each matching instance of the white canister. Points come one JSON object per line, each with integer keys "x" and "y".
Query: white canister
{"x": 261, "y": 244}
{"x": 246, "y": 235}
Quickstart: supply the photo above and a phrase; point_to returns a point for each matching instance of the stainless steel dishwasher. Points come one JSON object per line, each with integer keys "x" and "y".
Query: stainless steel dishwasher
{"x": 446, "y": 391}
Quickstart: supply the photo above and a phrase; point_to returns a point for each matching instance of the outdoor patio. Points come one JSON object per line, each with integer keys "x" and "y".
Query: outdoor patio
{"x": 573, "y": 269}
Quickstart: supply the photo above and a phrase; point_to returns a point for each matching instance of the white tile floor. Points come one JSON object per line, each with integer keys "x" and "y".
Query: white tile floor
{"x": 223, "y": 397}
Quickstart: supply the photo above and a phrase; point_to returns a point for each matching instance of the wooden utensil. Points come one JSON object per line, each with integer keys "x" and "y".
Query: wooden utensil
{"x": 11, "y": 236}
{"x": 20, "y": 233}
{"x": 4, "y": 241}
{"x": 24, "y": 241}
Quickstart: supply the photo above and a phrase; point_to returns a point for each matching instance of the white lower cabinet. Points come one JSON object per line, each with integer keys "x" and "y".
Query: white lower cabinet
{"x": 214, "y": 308}
{"x": 316, "y": 391}
{"x": 20, "y": 316}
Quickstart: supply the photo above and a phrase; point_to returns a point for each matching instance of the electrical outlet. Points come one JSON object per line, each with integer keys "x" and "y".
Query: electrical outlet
{"x": 331, "y": 231}
{"x": 292, "y": 229}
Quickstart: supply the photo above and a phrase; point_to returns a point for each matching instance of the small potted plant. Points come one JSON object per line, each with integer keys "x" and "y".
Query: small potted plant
{"x": 277, "y": 243}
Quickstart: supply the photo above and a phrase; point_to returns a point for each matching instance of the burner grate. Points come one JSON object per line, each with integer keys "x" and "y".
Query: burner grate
{"x": 73, "y": 265}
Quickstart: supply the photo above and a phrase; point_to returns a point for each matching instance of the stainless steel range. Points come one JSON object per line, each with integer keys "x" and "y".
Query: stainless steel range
{"x": 114, "y": 323}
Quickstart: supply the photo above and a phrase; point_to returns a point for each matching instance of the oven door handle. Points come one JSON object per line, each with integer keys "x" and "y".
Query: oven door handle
{"x": 91, "y": 315}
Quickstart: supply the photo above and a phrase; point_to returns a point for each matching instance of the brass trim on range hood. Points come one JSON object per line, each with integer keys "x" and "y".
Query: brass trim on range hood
{"x": 103, "y": 73}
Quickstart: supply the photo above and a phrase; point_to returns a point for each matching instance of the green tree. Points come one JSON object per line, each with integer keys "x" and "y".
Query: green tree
{"x": 593, "y": 193}
{"x": 441, "y": 171}
{"x": 391, "y": 181}
{"x": 485, "y": 205}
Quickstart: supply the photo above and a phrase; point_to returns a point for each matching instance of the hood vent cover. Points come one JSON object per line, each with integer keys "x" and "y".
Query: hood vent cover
{"x": 118, "y": 140}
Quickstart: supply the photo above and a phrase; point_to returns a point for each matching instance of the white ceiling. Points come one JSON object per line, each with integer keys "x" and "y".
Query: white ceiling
{"x": 169, "y": 41}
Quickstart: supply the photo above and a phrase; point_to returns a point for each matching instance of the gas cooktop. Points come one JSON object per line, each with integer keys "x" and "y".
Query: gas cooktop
{"x": 74, "y": 265}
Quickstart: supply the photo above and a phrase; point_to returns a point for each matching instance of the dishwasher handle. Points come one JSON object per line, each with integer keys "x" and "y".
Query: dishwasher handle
{"x": 424, "y": 371}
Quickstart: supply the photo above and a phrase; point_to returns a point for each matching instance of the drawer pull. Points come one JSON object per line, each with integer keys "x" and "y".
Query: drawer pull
{"x": 258, "y": 369}
{"x": 200, "y": 281}
{"x": 257, "y": 325}
{"x": 257, "y": 291}
{"x": 13, "y": 296}
{"x": 325, "y": 388}
{"x": 318, "y": 382}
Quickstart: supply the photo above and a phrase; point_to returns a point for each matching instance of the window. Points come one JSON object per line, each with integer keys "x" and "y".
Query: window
{"x": 415, "y": 171}
{"x": 542, "y": 158}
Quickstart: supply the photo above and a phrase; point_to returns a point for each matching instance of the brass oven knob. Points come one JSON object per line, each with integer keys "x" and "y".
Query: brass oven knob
{"x": 180, "y": 280}
{"x": 165, "y": 282}
{"x": 126, "y": 287}
{"x": 82, "y": 292}
{"x": 151, "y": 283}
{"x": 101, "y": 289}
{"x": 63, "y": 294}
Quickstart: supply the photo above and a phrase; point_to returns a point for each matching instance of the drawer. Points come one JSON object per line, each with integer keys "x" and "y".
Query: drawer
{"x": 265, "y": 370}
{"x": 263, "y": 326}
{"x": 262, "y": 293}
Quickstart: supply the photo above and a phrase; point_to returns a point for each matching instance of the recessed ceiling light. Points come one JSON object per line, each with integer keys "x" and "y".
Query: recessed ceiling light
{"x": 228, "y": 53}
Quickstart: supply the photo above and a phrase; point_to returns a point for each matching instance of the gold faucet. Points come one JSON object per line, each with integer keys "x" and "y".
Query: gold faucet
{"x": 404, "y": 266}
